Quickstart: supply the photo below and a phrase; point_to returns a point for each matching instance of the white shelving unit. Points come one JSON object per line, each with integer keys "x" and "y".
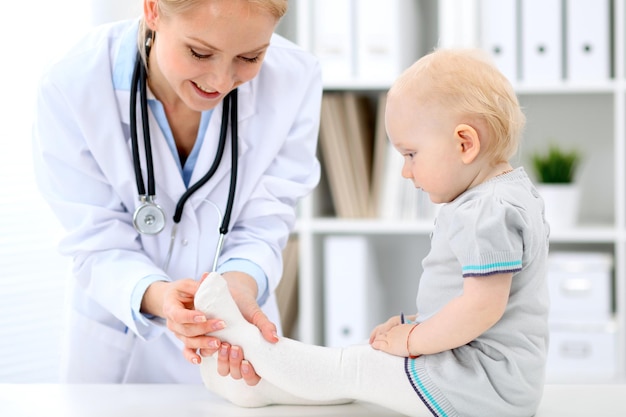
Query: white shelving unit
{"x": 591, "y": 117}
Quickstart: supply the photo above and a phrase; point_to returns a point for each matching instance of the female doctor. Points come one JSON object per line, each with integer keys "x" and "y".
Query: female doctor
{"x": 135, "y": 133}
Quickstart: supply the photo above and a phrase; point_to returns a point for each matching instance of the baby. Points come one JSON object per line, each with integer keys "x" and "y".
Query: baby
{"x": 477, "y": 344}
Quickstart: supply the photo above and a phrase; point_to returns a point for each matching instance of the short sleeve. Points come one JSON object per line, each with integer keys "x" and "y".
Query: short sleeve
{"x": 486, "y": 235}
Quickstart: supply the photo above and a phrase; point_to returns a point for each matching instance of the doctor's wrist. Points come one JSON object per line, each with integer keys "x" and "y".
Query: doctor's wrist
{"x": 153, "y": 299}
{"x": 241, "y": 285}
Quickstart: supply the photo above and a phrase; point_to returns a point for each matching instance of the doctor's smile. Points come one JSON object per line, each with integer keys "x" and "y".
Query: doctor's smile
{"x": 205, "y": 92}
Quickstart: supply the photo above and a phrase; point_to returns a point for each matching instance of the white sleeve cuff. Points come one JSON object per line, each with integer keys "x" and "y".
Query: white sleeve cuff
{"x": 145, "y": 323}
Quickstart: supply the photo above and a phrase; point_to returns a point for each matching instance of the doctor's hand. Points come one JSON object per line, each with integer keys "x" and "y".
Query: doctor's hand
{"x": 230, "y": 359}
{"x": 174, "y": 301}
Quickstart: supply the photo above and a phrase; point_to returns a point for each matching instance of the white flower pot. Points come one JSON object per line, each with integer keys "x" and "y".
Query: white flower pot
{"x": 562, "y": 202}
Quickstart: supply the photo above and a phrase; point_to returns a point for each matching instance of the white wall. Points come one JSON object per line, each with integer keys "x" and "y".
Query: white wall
{"x": 32, "y": 274}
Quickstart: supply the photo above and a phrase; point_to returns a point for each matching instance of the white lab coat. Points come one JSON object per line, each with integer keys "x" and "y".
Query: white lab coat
{"x": 84, "y": 168}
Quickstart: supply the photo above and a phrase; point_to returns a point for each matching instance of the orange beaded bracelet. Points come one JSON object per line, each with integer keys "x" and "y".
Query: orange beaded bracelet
{"x": 407, "y": 341}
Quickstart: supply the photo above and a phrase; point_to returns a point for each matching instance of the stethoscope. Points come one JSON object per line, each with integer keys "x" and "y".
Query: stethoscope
{"x": 149, "y": 217}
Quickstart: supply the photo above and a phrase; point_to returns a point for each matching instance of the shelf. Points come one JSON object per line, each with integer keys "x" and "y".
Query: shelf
{"x": 356, "y": 85}
{"x": 331, "y": 225}
{"x": 565, "y": 87}
{"x": 590, "y": 116}
{"x": 585, "y": 234}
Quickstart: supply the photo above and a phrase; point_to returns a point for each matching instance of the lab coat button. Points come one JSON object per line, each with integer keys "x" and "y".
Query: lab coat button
{"x": 185, "y": 242}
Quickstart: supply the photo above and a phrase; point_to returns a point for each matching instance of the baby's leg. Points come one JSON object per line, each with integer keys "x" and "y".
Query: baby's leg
{"x": 306, "y": 371}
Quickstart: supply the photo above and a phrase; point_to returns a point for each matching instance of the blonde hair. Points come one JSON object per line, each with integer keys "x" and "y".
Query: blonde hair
{"x": 277, "y": 8}
{"x": 464, "y": 81}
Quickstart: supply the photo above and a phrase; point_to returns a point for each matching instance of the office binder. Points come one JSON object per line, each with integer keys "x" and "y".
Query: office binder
{"x": 359, "y": 139}
{"x": 458, "y": 23}
{"x": 335, "y": 154}
{"x": 351, "y": 290}
{"x": 498, "y": 34}
{"x": 346, "y": 152}
{"x": 542, "y": 41}
{"x": 392, "y": 185}
{"x": 588, "y": 55}
{"x": 380, "y": 147}
{"x": 387, "y": 38}
{"x": 332, "y": 39}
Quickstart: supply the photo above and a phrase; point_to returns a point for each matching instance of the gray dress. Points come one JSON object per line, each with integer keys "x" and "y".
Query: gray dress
{"x": 492, "y": 228}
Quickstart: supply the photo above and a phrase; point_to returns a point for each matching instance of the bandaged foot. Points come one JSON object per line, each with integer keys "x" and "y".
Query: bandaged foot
{"x": 297, "y": 373}
{"x": 214, "y": 299}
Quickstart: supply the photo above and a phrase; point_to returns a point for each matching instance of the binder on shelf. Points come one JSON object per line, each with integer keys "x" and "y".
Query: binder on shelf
{"x": 287, "y": 289}
{"x": 333, "y": 153}
{"x": 360, "y": 141}
{"x": 580, "y": 287}
{"x": 458, "y": 23}
{"x": 542, "y": 41}
{"x": 587, "y": 30}
{"x": 388, "y": 185}
{"x": 390, "y": 196}
{"x": 352, "y": 290}
{"x": 387, "y": 38}
{"x": 333, "y": 39}
{"x": 381, "y": 145}
{"x": 345, "y": 144}
{"x": 498, "y": 34}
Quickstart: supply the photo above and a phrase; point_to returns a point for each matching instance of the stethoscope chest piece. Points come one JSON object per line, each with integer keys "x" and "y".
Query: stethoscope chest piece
{"x": 149, "y": 218}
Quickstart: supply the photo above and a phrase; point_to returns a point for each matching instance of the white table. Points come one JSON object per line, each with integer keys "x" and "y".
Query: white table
{"x": 51, "y": 400}
{"x": 150, "y": 400}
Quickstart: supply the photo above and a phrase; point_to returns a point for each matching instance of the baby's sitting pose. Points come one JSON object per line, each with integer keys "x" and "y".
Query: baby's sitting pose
{"x": 477, "y": 344}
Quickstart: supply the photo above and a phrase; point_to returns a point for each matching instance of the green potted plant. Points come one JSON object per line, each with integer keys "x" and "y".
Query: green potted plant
{"x": 556, "y": 166}
{"x": 555, "y": 171}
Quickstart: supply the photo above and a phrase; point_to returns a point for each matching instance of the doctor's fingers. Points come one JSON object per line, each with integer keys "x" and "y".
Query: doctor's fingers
{"x": 208, "y": 344}
{"x": 267, "y": 328}
{"x": 192, "y": 356}
{"x": 193, "y": 329}
{"x": 230, "y": 361}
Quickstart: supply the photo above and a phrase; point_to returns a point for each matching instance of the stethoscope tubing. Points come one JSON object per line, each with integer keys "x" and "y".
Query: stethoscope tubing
{"x": 230, "y": 105}
{"x": 229, "y": 109}
{"x": 138, "y": 79}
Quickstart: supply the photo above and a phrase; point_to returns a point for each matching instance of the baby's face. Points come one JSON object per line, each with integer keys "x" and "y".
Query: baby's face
{"x": 424, "y": 134}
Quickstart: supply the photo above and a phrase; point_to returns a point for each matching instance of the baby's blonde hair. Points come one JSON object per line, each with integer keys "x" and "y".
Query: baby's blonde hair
{"x": 464, "y": 81}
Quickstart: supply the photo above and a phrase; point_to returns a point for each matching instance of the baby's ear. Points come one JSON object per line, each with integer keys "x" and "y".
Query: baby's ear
{"x": 468, "y": 142}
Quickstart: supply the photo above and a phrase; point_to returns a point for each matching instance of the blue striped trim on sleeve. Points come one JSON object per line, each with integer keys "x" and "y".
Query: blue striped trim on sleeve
{"x": 492, "y": 268}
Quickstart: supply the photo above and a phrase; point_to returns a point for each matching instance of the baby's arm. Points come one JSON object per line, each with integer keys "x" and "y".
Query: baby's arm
{"x": 462, "y": 320}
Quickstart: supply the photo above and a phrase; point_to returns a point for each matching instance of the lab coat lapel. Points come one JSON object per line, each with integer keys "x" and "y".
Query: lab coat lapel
{"x": 167, "y": 178}
{"x": 211, "y": 140}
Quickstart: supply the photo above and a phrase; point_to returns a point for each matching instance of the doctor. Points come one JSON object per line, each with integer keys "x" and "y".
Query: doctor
{"x": 133, "y": 155}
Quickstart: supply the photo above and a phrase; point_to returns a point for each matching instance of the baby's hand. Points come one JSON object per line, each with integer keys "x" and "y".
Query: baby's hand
{"x": 394, "y": 340}
{"x": 384, "y": 327}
